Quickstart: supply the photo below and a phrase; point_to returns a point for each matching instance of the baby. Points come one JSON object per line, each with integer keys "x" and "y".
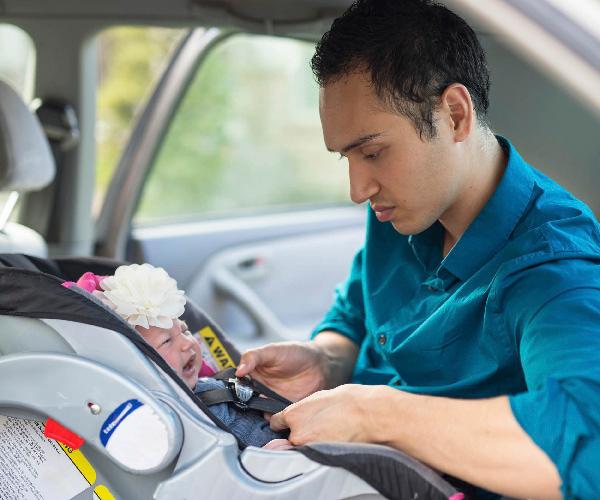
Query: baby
{"x": 148, "y": 299}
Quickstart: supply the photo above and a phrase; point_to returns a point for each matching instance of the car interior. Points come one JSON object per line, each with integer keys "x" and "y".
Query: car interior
{"x": 221, "y": 177}
{"x": 239, "y": 264}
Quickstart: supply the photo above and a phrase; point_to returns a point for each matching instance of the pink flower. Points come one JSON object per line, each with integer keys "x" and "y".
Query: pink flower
{"x": 88, "y": 281}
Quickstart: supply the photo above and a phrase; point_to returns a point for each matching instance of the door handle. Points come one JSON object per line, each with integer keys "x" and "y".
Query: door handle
{"x": 231, "y": 286}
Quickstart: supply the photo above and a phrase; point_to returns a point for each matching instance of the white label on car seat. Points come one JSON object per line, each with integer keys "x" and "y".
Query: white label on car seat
{"x": 33, "y": 466}
{"x": 135, "y": 436}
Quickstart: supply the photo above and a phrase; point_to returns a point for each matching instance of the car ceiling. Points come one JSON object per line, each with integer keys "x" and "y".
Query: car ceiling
{"x": 234, "y": 12}
{"x": 291, "y": 17}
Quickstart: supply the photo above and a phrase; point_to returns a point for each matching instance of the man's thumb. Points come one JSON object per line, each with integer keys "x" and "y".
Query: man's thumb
{"x": 247, "y": 364}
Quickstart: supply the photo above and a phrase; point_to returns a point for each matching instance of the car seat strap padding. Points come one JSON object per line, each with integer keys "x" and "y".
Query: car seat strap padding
{"x": 256, "y": 403}
{"x": 263, "y": 398}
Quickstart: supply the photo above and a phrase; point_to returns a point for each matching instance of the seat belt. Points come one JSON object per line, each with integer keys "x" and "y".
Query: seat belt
{"x": 245, "y": 393}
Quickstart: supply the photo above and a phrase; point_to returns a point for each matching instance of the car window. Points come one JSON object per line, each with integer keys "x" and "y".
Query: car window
{"x": 246, "y": 137}
{"x": 130, "y": 61}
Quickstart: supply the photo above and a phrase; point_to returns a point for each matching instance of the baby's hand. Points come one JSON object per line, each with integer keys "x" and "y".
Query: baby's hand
{"x": 278, "y": 444}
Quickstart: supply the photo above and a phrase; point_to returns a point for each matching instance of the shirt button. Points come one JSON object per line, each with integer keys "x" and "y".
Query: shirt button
{"x": 381, "y": 339}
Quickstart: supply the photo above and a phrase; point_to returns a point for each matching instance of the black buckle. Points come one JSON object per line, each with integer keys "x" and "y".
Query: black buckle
{"x": 242, "y": 389}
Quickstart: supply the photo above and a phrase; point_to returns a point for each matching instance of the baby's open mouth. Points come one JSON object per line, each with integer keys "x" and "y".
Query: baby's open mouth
{"x": 190, "y": 364}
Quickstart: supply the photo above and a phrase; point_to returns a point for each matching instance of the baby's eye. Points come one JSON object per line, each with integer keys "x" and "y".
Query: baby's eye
{"x": 165, "y": 342}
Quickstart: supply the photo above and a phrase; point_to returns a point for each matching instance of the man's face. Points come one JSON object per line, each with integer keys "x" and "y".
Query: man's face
{"x": 178, "y": 347}
{"x": 409, "y": 181}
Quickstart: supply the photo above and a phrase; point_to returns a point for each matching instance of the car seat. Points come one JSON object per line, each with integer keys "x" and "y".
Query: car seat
{"x": 26, "y": 164}
{"x": 124, "y": 425}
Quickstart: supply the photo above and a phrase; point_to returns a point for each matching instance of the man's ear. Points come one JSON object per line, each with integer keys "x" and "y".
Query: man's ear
{"x": 456, "y": 105}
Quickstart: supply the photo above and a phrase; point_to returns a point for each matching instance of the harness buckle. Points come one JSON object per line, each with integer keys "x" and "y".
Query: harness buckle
{"x": 242, "y": 389}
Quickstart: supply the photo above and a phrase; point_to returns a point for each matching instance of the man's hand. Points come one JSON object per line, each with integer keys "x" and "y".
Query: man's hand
{"x": 292, "y": 369}
{"x": 297, "y": 369}
{"x": 478, "y": 441}
{"x": 340, "y": 414}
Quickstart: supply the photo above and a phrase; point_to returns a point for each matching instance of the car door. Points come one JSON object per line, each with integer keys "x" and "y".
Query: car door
{"x": 226, "y": 183}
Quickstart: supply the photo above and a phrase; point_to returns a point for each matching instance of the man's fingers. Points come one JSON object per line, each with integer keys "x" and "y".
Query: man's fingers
{"x": 248, "y": 363}
{"x": 278, "y": 421}
{"x": 255, "y": 358}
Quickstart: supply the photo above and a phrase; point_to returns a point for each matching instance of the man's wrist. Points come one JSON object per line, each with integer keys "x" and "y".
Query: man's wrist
{"x": 385, "y": 414}
{"x": 322, "y": 362}
{"x": 336, "y": 357}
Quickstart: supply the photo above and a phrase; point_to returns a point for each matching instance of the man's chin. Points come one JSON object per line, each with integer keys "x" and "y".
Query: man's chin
{"x": 399, "y": 228}
{"x": 407, "y": 229}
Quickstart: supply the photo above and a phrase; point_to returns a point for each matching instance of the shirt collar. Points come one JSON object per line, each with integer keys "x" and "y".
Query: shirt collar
{"x": 427, "y": 246}
{"x": 490, "y": 230}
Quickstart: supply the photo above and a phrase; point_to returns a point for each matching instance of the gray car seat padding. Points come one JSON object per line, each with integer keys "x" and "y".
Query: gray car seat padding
{"x": 26, "y": 161}
{"x": 389, "y": 471}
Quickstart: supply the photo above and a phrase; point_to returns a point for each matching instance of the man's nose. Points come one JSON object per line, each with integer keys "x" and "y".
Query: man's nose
{"x": 362, "y": 184}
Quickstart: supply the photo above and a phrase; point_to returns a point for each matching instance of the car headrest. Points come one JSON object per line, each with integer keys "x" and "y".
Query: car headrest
{"x": 26, "y": 161}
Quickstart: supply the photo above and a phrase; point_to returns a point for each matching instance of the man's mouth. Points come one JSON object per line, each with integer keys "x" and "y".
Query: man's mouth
{"x": 383, "y": 213}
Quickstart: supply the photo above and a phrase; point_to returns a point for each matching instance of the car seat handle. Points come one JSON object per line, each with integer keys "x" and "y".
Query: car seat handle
{"x": 111, "y": 412}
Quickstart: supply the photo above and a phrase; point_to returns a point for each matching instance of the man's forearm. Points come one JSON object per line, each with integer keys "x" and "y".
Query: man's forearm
{"x": 339, "y": 356}
{"x": 478, "y": 441}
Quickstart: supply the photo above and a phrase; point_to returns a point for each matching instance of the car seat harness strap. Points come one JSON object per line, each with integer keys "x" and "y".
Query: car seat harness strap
{"x": 245, "y": 393}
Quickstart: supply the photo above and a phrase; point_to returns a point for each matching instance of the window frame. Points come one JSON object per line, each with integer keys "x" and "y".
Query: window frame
{"x": 114, "y": 221}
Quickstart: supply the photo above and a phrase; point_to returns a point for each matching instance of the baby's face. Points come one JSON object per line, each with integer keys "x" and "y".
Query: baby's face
{"x": 178, "y": 347}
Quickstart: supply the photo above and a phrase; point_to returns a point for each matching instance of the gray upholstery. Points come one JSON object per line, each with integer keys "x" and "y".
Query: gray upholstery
{"x": 26, "y": 162}
{"x": 16, "y": 238}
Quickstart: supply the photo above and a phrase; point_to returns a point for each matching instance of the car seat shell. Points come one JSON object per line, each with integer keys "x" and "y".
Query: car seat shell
{"x": 68, "y": 351}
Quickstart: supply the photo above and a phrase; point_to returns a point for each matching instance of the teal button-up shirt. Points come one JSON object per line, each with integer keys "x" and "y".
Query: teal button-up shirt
{"x": 513, "y": 309}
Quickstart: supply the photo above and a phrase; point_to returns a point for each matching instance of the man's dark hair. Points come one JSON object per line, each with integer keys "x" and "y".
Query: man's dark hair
{"x": 412, "y": 49}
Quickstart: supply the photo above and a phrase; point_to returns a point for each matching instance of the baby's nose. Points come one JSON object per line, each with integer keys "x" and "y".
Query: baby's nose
{"x": 186, "y": 342}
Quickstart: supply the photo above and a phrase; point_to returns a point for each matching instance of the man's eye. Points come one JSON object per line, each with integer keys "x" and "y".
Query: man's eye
{"x": 371, "y": 156}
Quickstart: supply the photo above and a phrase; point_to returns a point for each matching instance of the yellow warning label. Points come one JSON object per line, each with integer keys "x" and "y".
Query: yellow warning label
{"x": 82, "y": 463}
{"x": 102, "y": 492}
{"x": 87, "y": 471}
{"x": 217, "y": 349}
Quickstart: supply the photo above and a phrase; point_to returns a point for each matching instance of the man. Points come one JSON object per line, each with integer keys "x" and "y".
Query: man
{"x": 470, "y": 321}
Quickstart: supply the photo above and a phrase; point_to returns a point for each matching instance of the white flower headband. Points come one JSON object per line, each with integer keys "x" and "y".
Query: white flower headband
{"x": 143, "y": 295}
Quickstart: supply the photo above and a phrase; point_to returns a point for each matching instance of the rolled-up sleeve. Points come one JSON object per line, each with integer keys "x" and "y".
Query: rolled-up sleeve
{"x": 346, "y": 315}
{"x": 559, "y": 346}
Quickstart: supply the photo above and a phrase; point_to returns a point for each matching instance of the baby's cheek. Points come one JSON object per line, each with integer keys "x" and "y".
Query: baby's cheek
{"x": 175, "y": 363}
